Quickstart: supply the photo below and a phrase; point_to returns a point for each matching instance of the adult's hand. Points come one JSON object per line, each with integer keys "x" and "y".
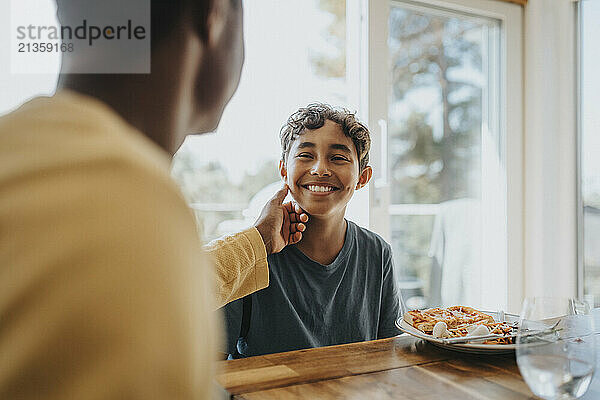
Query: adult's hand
{"x": 280, "y": 224}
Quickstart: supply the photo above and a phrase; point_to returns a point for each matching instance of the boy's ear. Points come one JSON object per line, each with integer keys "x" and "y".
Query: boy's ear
{"x": 282, "y": 170}
{"x": 365, "y": 177}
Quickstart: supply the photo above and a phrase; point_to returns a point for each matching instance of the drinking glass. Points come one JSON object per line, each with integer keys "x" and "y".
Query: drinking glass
{"x": 556, "y": 350}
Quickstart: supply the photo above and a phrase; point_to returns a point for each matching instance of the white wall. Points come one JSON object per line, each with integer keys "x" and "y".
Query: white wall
{"x": 550, "y": 149}
{"x": 17, "y": 88}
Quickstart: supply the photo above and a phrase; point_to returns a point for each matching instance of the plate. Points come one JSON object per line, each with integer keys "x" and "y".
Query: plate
{"x": 474, "y": 348}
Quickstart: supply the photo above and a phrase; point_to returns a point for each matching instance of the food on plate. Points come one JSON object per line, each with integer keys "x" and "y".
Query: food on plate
{"x": 440, "y": 330}
{"x": 479, "y": 330}
{"x": 458, "y": 321}
{"x": 425, "y": 320}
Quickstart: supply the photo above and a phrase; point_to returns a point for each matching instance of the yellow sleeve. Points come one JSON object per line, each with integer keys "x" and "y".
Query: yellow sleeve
{"x": 240, "y": 265}
{"x": 108, "y": 297}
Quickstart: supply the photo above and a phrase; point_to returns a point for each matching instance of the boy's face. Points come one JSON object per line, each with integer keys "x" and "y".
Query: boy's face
{"x": 322, "y": 170}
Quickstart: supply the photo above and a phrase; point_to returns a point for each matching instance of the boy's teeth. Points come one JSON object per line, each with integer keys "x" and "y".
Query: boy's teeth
{"x": 314, "y": 188}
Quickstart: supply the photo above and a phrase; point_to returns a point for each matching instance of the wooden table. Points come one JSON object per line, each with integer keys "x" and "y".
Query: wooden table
{"x": 397, "y": 368}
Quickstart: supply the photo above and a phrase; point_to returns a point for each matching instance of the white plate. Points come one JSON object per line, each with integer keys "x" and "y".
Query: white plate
{"x": 475, "y": 348}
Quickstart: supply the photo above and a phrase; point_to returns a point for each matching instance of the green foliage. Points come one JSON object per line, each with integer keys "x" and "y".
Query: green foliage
{"x": 211, "y": 183}
{"x": 415, "y": 164}
{"x": 333, "y": 65}
{"x": 410, "y": 241}
{"x": 426, "y": 51}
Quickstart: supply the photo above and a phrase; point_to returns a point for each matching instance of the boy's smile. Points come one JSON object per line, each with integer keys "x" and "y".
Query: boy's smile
{"x": 320, "y": 189}
{"x": 322, "y": 170}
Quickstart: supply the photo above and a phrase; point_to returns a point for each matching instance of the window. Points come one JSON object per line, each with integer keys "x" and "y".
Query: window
{"x": 590, "y": 148}
{"x": 447, "y": 160}
{"x": 15, "y": 89}
{"x": 445, "y": 149}
{"x": 439, "y": 84}
{"x": 296, "y": 53}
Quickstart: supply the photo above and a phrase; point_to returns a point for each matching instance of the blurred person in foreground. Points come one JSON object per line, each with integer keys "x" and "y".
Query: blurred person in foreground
{"x": 105, "y": 290}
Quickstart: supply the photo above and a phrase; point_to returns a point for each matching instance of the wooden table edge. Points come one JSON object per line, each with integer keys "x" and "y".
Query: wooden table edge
{"x": 233, "y": 391}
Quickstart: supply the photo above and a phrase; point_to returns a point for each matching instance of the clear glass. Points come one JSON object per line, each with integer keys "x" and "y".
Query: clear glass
{"x": 296, "y": 54}
{"x": 590, "y": 147}
{"x": 445, "y": 157}
{"x": 556, "y": 349}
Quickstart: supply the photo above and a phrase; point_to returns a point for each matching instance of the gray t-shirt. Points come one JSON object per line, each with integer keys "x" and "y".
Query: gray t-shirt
{"x": 308, "y": 304}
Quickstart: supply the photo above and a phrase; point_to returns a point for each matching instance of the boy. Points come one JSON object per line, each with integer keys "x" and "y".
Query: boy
{"x": 337, "y": 284}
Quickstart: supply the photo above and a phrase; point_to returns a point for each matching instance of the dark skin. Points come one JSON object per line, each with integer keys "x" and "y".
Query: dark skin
{"x": 326, "y": 241}
{"x": 162, "y": 104}
{"x": 195, "y": 72}
{"x": 324, "y": 158}
{"x": 292, "y": 220}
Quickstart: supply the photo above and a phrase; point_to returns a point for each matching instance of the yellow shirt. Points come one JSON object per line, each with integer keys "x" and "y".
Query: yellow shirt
{"x": 104, "y": 290}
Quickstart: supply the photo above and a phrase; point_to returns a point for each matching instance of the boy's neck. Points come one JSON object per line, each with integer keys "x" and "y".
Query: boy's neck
{"x": 324, "y": 238}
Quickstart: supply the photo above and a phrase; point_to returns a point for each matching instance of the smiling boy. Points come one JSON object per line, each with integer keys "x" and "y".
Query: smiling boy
{"x": 337, "y": 284}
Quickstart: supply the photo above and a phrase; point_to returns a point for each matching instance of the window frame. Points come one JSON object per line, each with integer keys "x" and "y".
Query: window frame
{"x": 579, "y": 141}
{"x": 511, "y": 103}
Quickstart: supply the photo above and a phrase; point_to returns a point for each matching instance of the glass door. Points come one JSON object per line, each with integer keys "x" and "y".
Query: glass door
{"x": 443, "y": 154}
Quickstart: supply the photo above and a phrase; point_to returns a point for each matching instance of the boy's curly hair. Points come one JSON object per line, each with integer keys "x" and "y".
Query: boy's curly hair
{"x": 314, "y": 116}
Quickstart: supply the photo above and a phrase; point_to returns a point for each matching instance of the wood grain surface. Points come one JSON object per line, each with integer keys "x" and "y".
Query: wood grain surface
{"x": 402, "y": 367}
{"x": 301, "y": 366}
{"x": 397, "y": 368}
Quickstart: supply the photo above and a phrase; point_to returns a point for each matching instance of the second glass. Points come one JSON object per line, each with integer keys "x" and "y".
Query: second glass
{"x": 556, "y": 350}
